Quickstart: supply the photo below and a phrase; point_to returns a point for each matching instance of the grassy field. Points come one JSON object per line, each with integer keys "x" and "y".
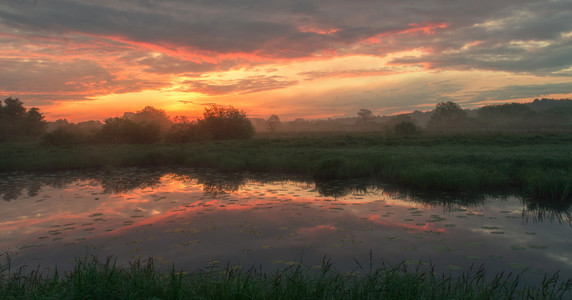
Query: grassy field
{"x": 539, "y": 165}
{"x": 95, "y": 279}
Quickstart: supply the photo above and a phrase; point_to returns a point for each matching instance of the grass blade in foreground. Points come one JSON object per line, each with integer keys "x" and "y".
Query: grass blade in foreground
{"x": 95, "y": 279}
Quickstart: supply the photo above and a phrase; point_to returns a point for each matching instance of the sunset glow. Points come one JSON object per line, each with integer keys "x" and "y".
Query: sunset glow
{"x": 85, "y": 60}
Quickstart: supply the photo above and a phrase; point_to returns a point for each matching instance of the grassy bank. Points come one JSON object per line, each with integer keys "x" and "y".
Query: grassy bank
{"x": 95, "y": 279}
{"x": 539, "y": 165}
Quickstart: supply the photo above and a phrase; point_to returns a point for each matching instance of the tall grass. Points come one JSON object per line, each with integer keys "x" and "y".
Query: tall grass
{"x": 92, "y": 278}
{"x": 539, "y": 165}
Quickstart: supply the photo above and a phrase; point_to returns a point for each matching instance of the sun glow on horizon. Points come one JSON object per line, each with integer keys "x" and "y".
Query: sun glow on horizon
{"x": 278, "y": 58}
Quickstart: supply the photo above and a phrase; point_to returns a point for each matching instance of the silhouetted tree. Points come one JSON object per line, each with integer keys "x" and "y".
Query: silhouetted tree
{"x": 222, "y": 122}
{"x": 273, "y": 123}
{"x": 447, "y": 115}
{"x": 150, "y": 114}
{"x": 17, "y": 122}
{"x": 33, "y": 123}
{"x": 13, "y": 107}
{"x": 364, "y": 116}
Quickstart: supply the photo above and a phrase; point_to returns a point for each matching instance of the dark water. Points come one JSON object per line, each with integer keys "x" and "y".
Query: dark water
{"x": 198, "y": 218}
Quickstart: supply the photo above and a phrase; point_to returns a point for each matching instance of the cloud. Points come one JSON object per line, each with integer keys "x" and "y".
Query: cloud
{"x": 534, "y": 38}
{"x": 293, "y": 29}
{"x": 196, "y": 103}
{"x": 319, "y": 74}
{"x": 164, "y": 64}
{"x": 239, "y": 86}
{"x": 81, "y": 49}
{"x": 524, "y": 91}
{"x": 52, "y": 80}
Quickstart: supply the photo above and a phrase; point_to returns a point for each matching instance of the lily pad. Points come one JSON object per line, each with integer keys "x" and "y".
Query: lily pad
{"x": 537, "y": 247}
{"x": 444, "y": 249}
{"x": 517, "y": 265}
{"x": 472, "y": 257}
{"x": 490, "y": 227}
{"x": 517, "y": 248}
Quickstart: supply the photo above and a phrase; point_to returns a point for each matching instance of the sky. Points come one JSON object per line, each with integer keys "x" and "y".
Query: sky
{"x": 89, "y": 60}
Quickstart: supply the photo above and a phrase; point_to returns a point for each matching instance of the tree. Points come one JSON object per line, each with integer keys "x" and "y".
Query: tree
{"x": 401, "y": 125}
{"x": 447, "y": 115}
{"x": 505, "y": 115}
{"x": 364, "y": 116}
{"x": 273, "y": 123}
{"x": 18, "y": 122}
{"x": 150, "y": 114}
{"x": 33, "y": 123}
{"x": 222, "y": 122}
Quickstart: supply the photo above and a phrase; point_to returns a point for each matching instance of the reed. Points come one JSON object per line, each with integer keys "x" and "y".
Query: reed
{"x": 92, "y": 278}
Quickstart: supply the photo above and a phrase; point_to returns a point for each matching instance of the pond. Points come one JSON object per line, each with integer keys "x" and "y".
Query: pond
{"x": 200, "y": 218}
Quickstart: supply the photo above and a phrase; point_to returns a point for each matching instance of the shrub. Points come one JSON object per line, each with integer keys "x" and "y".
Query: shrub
{"x": 185, "y": 132}
{"x": 405, "y": 128}
{"x": 125, "y": 131}
{"x": 63, "y": 136}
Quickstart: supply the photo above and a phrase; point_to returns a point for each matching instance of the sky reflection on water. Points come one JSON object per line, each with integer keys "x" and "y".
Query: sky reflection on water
{"x": 199, "y": 218}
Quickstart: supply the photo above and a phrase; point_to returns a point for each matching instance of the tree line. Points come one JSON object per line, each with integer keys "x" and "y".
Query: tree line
{"x": 152, "y": 125}
{"x": 539, "y": 115}
{"x": 147, "y": 126}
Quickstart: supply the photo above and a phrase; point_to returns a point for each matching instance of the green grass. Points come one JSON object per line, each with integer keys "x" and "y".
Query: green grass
{"x": 539, "y": 165}
{"x": 92, "y": 278}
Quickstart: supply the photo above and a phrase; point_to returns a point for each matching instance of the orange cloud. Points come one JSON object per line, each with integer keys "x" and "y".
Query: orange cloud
{"x": 427, "y": 28}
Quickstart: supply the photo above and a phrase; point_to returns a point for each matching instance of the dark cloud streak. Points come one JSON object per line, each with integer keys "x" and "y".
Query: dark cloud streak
{"x": 239, "y": 86}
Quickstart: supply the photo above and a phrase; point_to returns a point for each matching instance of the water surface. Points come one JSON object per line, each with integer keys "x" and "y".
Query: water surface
{"x": 199, "y": 218}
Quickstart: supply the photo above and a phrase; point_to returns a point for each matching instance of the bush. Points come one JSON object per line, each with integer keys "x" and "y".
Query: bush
{"x": 405, "y": 128}
{"x": 125, "y": 131}
{"x": 64, "y": 136}
{"x": 185, "y": 132}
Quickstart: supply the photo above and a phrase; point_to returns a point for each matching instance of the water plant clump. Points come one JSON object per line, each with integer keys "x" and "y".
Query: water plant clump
{"x": 99, "y": 279}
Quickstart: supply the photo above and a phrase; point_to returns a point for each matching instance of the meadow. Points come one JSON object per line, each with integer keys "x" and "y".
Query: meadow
{"x": 538, "y": 165}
